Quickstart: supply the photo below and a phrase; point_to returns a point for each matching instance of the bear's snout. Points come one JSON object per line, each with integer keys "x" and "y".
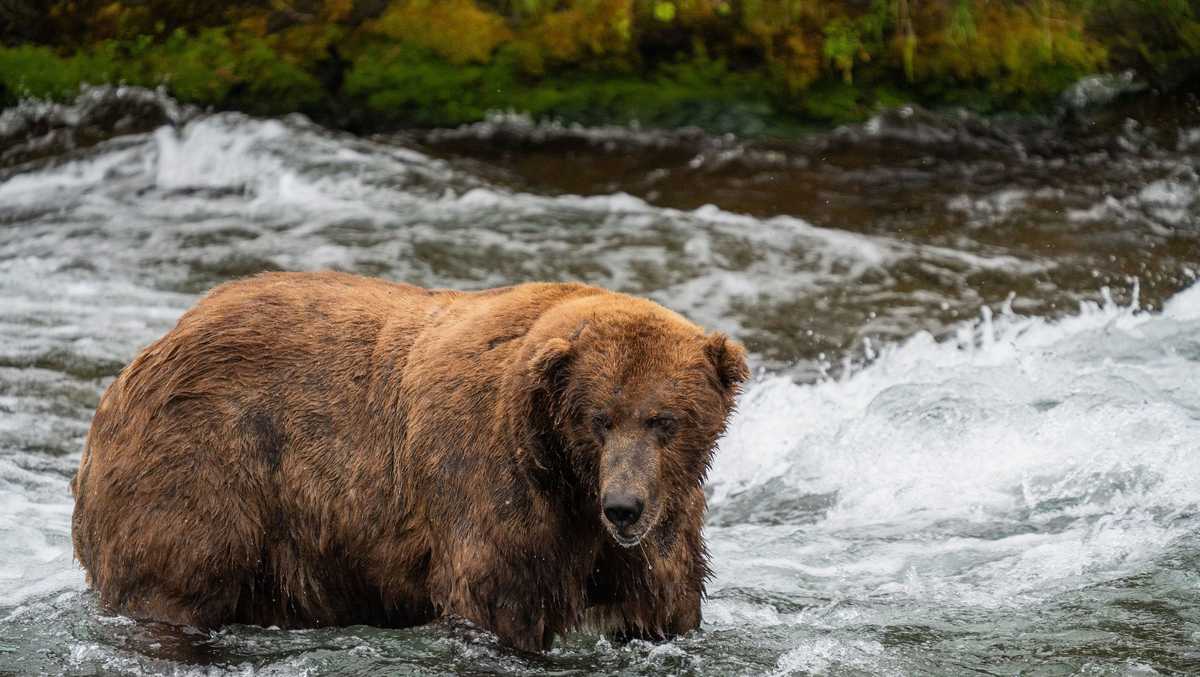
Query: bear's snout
{"x": 623, "y": 509}
{"x": 629, "y": 470}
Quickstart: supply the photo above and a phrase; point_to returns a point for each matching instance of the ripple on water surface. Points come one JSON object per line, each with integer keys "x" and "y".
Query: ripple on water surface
{"x": 1013, "y": 494}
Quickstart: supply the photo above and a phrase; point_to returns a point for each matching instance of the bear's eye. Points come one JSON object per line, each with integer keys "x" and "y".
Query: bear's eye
{"x": 662, "y": 423}
{"x": 601, "y": 424}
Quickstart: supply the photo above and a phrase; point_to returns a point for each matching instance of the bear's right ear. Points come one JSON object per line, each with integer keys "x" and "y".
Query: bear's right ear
{"x": 549, "y": 359}
{"x": 728, "y": 357}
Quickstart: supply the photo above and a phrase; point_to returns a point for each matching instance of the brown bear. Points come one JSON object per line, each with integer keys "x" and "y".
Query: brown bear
{"x": 308, "y": 449}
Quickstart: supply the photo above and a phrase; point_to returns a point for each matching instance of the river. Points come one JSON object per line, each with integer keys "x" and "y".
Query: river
{"x": 971, "y": 445}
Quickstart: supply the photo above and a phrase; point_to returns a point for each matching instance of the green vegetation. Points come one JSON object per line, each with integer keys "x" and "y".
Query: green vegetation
{"x": 747, "y": 65}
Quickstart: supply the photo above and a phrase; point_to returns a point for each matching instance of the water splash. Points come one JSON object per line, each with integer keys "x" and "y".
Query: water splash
{"x": 1009, "y": 493}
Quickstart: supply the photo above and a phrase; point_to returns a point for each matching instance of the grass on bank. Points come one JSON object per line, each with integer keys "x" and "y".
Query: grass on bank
{"x": 724, "y": 65}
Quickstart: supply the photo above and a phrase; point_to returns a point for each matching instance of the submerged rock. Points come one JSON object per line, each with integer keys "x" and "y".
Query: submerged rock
{"x": 37, "y": 129}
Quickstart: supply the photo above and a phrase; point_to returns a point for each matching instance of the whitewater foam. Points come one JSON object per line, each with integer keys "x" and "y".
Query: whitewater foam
{"x": 1085, "y": 426}
{"x": 245, "y": 194}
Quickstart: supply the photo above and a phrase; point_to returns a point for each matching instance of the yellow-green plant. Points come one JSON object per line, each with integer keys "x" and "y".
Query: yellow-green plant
{"x": 448, "y": 61}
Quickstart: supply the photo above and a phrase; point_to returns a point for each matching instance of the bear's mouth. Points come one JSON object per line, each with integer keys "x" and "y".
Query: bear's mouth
{"x": 628, "y": 538}
{"x": 626, "y": 541}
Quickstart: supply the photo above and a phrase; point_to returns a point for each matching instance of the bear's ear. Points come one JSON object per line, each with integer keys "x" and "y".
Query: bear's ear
{"x": 728, "y": 358}
{"x": 549, "y": 359}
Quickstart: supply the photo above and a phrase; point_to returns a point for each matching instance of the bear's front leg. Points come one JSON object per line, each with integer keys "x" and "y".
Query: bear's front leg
{"x": 686, "y": 615}
{"x": 516, "y": 625}
{"x": 505, "y": 595}
{"x": 508, "y": 608}
{"x": 652, "y": 592}
{"x": 634, "y": 621}
{"x": 632, "y": 599}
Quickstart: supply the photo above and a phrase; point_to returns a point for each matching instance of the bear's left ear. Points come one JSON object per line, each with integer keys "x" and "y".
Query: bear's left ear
{"x": 549, "y": 359}
{"x": 729, "y": 359}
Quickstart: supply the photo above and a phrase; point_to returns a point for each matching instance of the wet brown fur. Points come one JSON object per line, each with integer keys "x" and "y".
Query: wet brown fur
{"x": 324, "y": 449}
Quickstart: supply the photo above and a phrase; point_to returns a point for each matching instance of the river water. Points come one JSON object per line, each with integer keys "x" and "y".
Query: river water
{"x": 972, "y": 443}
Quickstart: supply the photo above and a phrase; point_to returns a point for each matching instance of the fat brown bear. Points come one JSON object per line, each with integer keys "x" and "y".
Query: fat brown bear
{"x": 308, "y": 449}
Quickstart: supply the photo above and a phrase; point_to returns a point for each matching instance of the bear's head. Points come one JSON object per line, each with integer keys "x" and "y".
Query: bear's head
{"x": 632, "y": 401}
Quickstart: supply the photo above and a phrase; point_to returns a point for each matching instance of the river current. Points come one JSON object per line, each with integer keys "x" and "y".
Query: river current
{"x": 971, "y": 445}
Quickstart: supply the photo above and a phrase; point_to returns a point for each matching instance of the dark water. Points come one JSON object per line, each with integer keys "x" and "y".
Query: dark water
{"x": 972, "y": 444}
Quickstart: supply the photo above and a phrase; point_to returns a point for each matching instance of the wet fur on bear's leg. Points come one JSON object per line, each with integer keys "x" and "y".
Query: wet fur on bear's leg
{"x": 653, "y": 591}
{"x": 516, "y": 601}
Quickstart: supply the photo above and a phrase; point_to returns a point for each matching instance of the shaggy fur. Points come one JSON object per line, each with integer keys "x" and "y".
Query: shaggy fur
{"x": 324, "y": 449}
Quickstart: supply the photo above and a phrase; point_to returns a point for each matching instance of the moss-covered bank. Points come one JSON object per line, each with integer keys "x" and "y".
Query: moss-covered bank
{"x": 745, "y": 65}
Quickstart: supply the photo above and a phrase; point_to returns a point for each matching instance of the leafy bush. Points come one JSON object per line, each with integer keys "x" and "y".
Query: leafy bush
{"x": 438, "y": 62}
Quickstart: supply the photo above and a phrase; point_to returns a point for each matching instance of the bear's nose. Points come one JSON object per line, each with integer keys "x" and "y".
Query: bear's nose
{"x": 622, "y": 509}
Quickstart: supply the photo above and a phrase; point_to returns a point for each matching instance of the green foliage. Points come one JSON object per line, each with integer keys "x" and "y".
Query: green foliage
{"x": 199, "y": 69}
{"x": 408, "y": 84}
{"x": 842, "y": 46}
{"x": 213, "y": 67}
{"x": 37, "y": 72}
{"x": 834, "y": 102}
{"x": 220, "y": 67}
{"x": 726, "y": 64}
{"x": 696, "y": 92}
{"x": 1028, "y": 53}
{"x": 961, "y": 29}
{"x": 456, "y": 30}
{"x": 414, "y": 86}
{"x": 269, "y": 78}
{"x": 1155, "y": 36}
